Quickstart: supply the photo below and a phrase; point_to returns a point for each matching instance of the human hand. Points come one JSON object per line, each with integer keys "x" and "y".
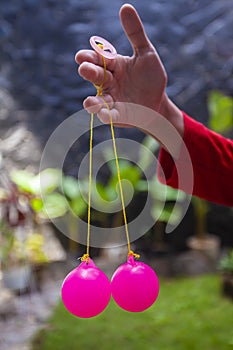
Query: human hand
{"x": 140, "y": 79}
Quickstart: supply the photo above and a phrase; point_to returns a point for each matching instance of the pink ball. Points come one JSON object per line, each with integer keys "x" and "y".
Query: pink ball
{"x": 135, "y": 286}
{"x": 86, "y": 290}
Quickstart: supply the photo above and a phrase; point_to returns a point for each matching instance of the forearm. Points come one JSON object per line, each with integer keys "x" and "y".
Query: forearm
{"x": 166, "y": 125}
{"x": 212, "y": 159}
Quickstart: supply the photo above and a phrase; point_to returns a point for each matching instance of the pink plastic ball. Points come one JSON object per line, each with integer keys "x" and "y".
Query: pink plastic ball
{"x": 86, "y": 290}
{"x": 135, "y": 286}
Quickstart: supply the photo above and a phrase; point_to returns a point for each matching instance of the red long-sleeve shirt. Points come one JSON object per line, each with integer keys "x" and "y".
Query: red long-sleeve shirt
{"x": 212, "y": 163}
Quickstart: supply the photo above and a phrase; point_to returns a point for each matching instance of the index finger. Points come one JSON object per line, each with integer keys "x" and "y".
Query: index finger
{"x": 87, "y": 56}
{"x": 93, "y": 57}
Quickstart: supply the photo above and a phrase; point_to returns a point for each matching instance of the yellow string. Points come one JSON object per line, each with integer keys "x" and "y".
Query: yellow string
{"x": 99, "y": 89}
{"x": 119, "y": 178}
{"x": 86, "y": 256}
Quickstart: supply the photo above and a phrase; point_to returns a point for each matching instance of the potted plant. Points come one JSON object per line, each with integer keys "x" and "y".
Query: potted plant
{"x": 21, "y": 216}
{"x": 47, "y": 195}
{"x": 226, "y": 268}
{"x": 218, "y": 105}
{"x": 203, "y": 242}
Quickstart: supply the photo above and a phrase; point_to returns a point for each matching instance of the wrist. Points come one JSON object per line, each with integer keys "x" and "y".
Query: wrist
{"x": 172, "y": 113}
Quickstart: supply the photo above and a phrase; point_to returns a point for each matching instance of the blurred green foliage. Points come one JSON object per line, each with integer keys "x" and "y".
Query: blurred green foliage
{"x": 28, "y": 200}
{"x": 226, "y": 263}
{"x": 220, "y": 112}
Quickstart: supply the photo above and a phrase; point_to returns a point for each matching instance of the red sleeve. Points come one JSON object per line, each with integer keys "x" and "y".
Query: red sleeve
{"x": 212, "y": 162}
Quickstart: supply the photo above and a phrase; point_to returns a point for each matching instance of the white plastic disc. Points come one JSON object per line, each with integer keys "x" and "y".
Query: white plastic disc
{"x": 103, "y": 47}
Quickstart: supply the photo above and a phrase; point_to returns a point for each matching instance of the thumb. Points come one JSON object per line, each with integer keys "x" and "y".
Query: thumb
{"x": 134, "y": 29}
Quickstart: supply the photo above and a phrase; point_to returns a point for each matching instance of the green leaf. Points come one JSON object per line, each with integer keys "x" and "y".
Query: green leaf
{"x": 70, "y": 187}
{"x": 175, "y": 195}
{"x": 128, "y": 172}
{"x": 142, "y": 186}
{"x": 132, "y": 174}
{"x": 55, "y": 205}
{"x": 47, "y": 180}
{"x": 167, "y": 214}
{"x": 37, "y": 204}
{"x": 146, "y": 157}
{"x": 123, "y": 163}
{"x": 158, "y": 190}
{"x": 84, "y": 186}
{"x": 156, "y": 210}
{"x": 102, "y": 191}
{"x": 102, "y": 196}
{"x": 79, "y": 206}
{"x": 23, "y": 179}
{"x": 221, "y": 112}
{"x": 165, "y": 193}
{"x": 171, "y": 214}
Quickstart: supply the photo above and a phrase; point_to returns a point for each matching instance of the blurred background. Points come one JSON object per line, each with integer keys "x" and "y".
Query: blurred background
{"x": 40, "y": 88}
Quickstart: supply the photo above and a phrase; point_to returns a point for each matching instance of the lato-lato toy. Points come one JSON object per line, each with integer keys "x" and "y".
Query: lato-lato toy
{"x": 86, "y": 290}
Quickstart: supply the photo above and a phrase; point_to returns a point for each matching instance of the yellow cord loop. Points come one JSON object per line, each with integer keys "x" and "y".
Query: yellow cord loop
{"x": 99, "y": 89}
{"x": 131, "y": 253}
{"x": 86, "y": 258}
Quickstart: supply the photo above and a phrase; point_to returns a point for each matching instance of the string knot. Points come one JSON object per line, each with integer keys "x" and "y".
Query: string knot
{"x": 86, "y": 258}
{"x": 99, "y": 89}
{"x": 131, "y": 253}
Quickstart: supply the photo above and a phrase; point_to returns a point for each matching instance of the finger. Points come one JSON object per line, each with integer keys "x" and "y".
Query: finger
{"x": 134, "y": 29}
{"x": 87, "y": 56}
{"x": 93, "y": 104}
{"x": 93, "y": 57}
{"x": 105, "y": 115}
{"x": 95, "y": 74}
{"x": 116, "y": 113}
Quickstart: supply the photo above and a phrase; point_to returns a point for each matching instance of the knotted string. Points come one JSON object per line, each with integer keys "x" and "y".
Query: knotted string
{"x": 99, "y": 89}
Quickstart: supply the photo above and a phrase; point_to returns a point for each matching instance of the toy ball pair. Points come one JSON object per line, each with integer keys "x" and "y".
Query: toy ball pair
{"x": 86, "y": 290}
